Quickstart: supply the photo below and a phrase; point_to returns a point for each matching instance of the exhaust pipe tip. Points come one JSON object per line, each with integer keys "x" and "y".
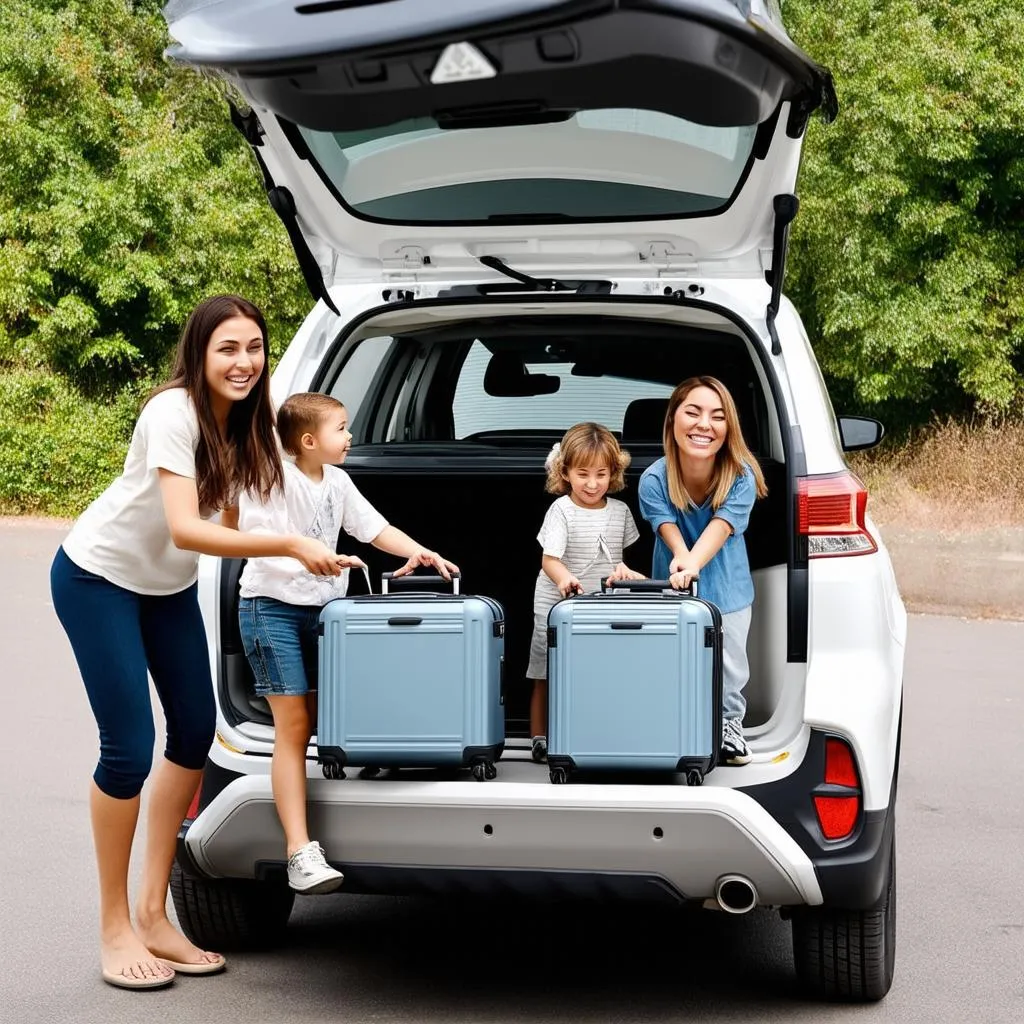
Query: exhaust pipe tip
{"x": 735, "y": 894}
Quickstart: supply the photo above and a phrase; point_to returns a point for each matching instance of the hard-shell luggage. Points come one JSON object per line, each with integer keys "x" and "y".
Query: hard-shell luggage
{"x": 635, "y": 681}
{"x": 412, "y": 679}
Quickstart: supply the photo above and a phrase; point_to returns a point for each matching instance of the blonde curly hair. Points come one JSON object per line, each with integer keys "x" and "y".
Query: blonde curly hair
{"x": 584, "y": 445}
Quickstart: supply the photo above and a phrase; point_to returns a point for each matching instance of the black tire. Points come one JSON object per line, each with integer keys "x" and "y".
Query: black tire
{"x": 230, "y": 914}
{"x": 847, "y": 955}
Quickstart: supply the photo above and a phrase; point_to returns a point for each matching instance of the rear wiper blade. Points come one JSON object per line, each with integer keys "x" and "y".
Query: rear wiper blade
{"x": 545, "y": 284}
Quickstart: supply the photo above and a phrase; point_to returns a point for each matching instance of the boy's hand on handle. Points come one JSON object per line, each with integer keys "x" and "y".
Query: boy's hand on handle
{"x": 431, "y": 558}
{"x": 569, "y": 586}
{"x": 623, "y": 572}
{"x": 319, "y": 559}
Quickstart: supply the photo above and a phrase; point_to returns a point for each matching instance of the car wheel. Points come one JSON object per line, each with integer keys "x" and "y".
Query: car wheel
{"x": 848, "y": 955}
{"x": 226, "y": 914}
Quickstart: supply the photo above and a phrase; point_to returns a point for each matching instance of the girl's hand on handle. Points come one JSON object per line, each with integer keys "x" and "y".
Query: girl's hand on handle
{"x": 682, "y": 578}
{"x": 623, "y": 572}
{"x": 569, "y": 586}
{"x": 431, "y": 558}
{"x": 319, "y": 559}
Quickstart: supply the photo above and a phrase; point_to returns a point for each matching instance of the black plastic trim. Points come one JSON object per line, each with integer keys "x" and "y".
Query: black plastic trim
{"x": 852, "y": 872}
{"x": 798, "y": 603}
{"x": 215, "y": 780}
{"x": 411, "y": 880}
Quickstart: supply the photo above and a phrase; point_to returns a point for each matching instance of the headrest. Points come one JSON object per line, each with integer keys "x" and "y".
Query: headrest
{"x": 644, "y": 420}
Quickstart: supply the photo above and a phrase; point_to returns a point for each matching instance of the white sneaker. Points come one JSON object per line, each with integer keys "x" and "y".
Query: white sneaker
{"x": 309, "y": 872}
{"x": 734, "y": 746}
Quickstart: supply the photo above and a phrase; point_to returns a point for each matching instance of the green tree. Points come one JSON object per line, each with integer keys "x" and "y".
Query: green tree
{"x": 125, "y": 197}
{"x": 907, "y": 254}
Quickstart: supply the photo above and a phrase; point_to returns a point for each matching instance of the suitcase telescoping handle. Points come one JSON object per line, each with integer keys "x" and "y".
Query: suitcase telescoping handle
{"x": 648, "y": 586}
{"x": 389, "y": 582}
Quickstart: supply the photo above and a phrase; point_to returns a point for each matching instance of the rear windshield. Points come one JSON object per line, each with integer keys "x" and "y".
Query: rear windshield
{"x": 606, "y": 164}
{"x": 524, "y": 382}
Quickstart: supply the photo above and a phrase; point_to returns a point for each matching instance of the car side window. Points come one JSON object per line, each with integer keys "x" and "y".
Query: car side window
{"x": 357, "y": 376}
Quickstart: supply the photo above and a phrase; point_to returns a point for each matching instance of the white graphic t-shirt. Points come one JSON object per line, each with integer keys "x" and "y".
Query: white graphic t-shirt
{"x": 318, "y": 510}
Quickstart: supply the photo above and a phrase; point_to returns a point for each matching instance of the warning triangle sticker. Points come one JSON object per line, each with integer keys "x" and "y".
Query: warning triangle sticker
{"x": 461, "y": 62}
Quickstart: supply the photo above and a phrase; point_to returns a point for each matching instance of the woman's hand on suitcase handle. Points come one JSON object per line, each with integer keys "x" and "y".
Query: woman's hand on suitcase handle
{"x": 683, "y": 578}
{"x": 318, "y": 558}
{"x": 432, "y": 558}
{"x": 569, "y": 586}
{"x": 350, "y": 562}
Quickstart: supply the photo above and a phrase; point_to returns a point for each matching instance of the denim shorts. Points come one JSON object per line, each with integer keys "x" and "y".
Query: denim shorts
{"x": 280, "y": 642}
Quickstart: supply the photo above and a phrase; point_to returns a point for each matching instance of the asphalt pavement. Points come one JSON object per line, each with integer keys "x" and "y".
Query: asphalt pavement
{"x": 960, "y": 954}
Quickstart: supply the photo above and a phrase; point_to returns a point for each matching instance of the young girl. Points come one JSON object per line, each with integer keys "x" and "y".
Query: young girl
{"x": 124, "y": 588}
{"x": 280, "y": 604}
{"x": 582, "y": 537}
{"x": 698, "y": 500}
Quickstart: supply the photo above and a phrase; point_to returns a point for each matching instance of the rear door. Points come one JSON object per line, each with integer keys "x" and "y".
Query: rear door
{"x": 614, "y": 137}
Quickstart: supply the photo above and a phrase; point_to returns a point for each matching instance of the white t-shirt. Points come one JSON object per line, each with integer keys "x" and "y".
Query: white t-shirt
{"x": 319, "y": 510}
{"x": 123, "y": 535}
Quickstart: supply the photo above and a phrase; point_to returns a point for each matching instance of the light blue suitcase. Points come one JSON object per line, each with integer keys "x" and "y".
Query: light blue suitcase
{"x": 634, "y": 682}
{"x": 411, "y": 680}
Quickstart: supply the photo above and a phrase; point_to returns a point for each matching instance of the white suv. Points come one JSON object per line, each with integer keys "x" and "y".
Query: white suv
{"x": 516, "y": 215}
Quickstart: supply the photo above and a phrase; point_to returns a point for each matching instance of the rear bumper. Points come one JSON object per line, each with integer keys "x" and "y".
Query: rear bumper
{"x": 397, "y": 835}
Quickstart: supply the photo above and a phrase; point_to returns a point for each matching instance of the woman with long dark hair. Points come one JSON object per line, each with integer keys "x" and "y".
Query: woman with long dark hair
{"x": 124, "y": 588}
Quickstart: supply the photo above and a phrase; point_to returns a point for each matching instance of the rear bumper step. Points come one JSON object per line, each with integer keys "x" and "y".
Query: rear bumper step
{"x": 397, "y": 836}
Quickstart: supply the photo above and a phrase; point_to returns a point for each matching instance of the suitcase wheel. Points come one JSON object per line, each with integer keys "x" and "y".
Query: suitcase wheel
{"x": 559, "y": 776}
{"x": 484, "y": 770}
{"x": 369, "y": 772}
{"x": 694, "y": 777}
{"x": 333, "y": 770}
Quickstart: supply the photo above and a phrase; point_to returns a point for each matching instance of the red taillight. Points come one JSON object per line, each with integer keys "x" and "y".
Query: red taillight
{"x": 837, "y": 815}
{"x": 838, "y": 812}
{"x": 193, "y": 808}
{"x": 830, "y": 514}
{"x": 839, "y": 767}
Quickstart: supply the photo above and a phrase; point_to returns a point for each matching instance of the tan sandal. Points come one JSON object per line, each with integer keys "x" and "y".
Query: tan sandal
{"x": 123, "y": 980}
{"x": 207, "y": 967}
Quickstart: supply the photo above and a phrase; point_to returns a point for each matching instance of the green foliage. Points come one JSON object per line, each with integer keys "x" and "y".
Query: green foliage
{"x": 907, "y": 261}
{"x": 126, "y": 196}
{"x": 58, "y": 451}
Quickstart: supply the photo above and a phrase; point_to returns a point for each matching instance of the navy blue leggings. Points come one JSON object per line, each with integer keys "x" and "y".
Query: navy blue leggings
{"x": 117, "y": 635}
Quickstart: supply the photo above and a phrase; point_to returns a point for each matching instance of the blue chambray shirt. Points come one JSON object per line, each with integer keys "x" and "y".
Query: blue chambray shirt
{"x": 725, "y": 581}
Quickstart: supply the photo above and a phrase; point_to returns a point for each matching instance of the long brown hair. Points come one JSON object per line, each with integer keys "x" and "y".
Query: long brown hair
{"x": 248, "y": 459}
{"x": 731, "y": 459}
{"x": 586, "y": 444}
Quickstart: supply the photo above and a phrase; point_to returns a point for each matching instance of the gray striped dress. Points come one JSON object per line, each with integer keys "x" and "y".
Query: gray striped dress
{"x": 589, "y": 542}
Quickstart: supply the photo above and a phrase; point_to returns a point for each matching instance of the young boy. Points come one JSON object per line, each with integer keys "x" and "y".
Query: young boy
{"x": 281, "y": 601}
